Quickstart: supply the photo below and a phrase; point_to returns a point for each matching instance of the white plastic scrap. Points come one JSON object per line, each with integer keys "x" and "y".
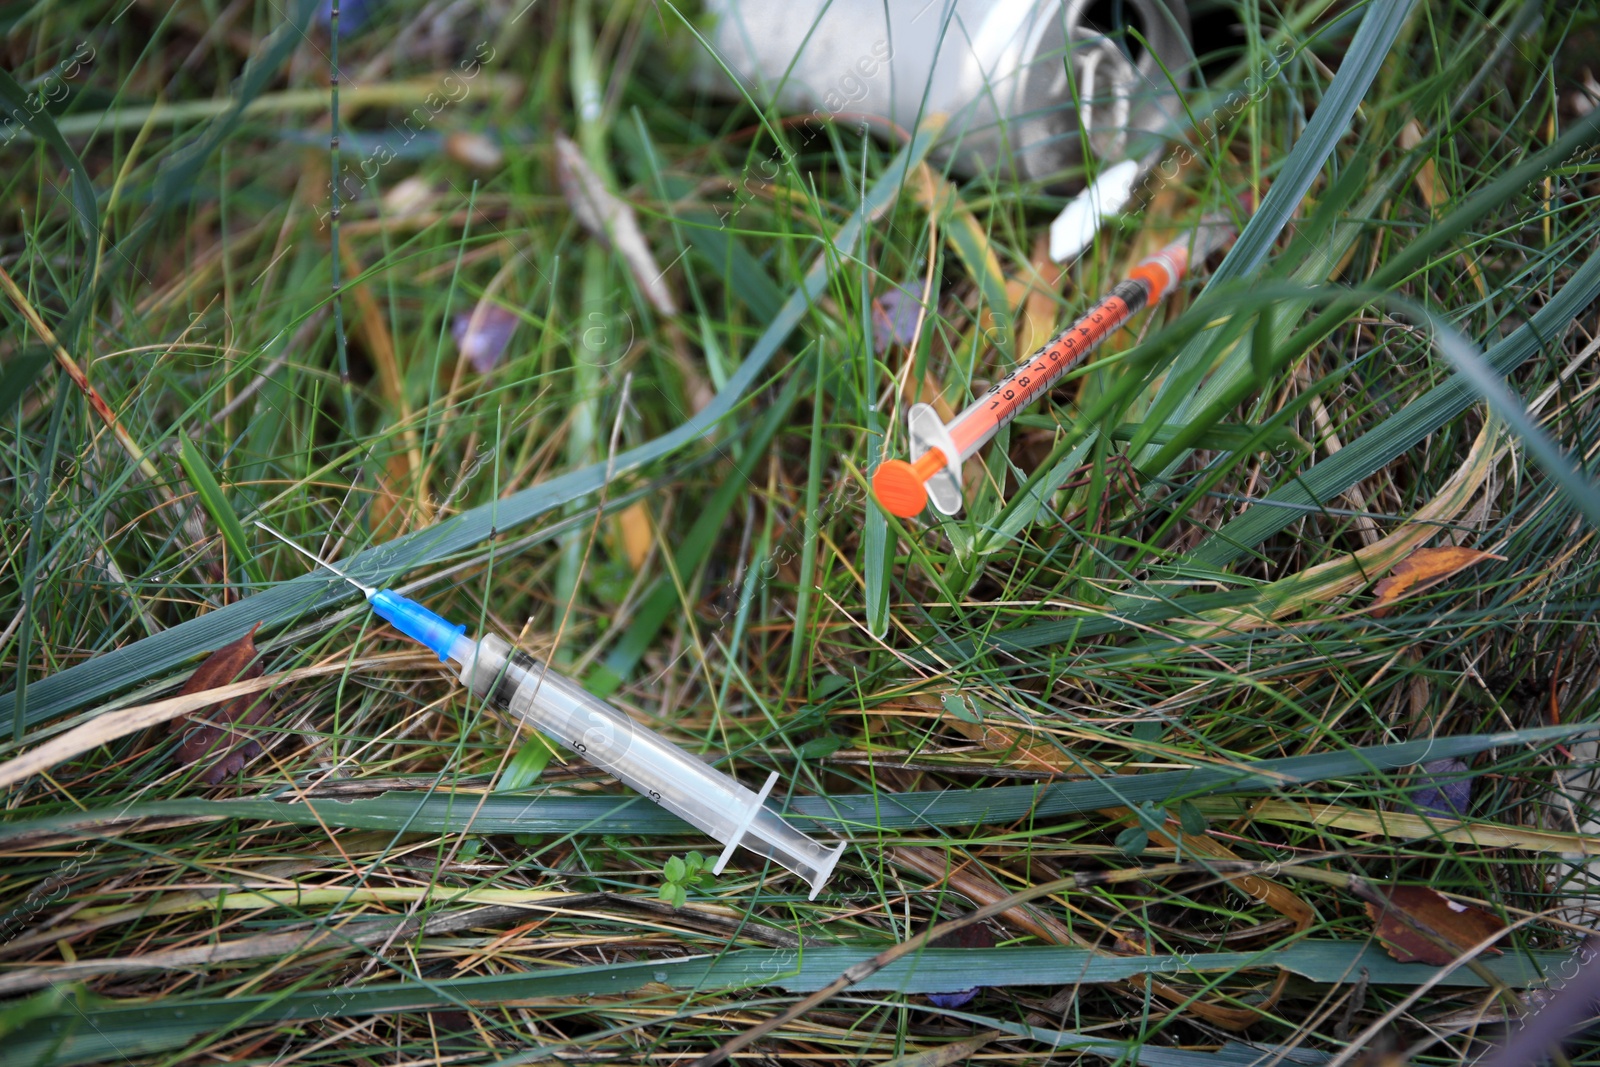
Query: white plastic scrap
{"x": 1073, "y": 230}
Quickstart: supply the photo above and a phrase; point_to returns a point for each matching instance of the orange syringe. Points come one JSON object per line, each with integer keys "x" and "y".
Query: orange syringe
{"x": 938, "y": 449}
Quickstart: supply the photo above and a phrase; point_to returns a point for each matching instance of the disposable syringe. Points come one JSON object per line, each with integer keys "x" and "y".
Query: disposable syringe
{"x": 530, "y": 691}
{"x": 938, "y": 449}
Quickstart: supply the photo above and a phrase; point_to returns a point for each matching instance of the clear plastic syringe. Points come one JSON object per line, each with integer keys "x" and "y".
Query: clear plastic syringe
{"x": 938, "y": 449}
{"x": 530, "y": 691}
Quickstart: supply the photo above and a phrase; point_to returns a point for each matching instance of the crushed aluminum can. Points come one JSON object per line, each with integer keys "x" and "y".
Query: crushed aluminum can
{"x": 1030, "y": 87}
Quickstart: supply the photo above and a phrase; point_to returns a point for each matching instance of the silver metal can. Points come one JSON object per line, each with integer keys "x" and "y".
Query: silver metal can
{"x": 1029, "y": 86}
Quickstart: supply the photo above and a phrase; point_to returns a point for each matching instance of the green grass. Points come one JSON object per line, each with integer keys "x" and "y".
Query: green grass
{"x": 1154, "y": 610}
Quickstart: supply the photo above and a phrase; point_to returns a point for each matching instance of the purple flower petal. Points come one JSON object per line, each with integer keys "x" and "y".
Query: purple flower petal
{"x": 483, "y": 342}
{"x": 974, "y": 936}
{"x": 353, "y": 14}
{"x": 1446, "y": 788}
{"x": 894, "y": 317}
{"x": 953, "y": 1000}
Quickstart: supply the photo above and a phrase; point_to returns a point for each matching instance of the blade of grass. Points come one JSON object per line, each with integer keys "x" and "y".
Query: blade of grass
{"x": 19, "y": 105}
{"x": 1000, "y": 805}
{"x": 877, "y": 543}
{"x": 1330, "y": 123}
{"x": 1384, "y": 443}
{"x": 215, "y": 502}
{"x": 30, "y": 567}
{"x": 799, "y": 644}
{"x": 1222, "y": 393}
{"x": 120, "y": 1029}
{"x": 667, "y": 596}
{"x": 1221, "y": 437}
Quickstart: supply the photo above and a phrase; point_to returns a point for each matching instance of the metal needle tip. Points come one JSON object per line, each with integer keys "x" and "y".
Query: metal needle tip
{"x": 366, "y": 590}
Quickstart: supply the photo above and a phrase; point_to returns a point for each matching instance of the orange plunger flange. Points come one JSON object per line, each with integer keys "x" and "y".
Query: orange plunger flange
{"x": 901, "y": 486}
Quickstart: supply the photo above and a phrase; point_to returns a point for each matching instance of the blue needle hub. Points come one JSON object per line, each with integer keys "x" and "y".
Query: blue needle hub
{"x": 416, "y": 621}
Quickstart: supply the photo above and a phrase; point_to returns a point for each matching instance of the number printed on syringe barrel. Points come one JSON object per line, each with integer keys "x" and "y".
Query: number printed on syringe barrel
{"x": 1146, "y": 284}
{"x": 983, "y": 418}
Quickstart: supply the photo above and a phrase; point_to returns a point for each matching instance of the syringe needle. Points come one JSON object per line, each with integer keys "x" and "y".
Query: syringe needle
{"x": 366, "y": 590}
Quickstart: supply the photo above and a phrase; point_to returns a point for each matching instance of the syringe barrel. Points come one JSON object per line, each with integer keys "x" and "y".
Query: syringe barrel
{"x": 691, "y": 789}
{"x": 982, "y": 419}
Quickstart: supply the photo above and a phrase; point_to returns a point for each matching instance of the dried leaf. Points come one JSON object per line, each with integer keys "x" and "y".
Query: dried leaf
{"x": 1424, "y": 567}
{"x": 1586, "y": 96}
{"x": 611, "y": 219}
{"x": 483, "y": 335}
{"x": 214, "y": 732}
{"x": 409, "y": 196}
{"x": 1429, "y": 184}
{"x": 1403, "y": 912}
{"x": 1432, "y": 189}
{"x": 391, "y": 506}
{"x": 475, "y": 151}
{"x": 1130, "y": 943}
{"x": 637, "y": 535}
{"x": 1040, "y": 299}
